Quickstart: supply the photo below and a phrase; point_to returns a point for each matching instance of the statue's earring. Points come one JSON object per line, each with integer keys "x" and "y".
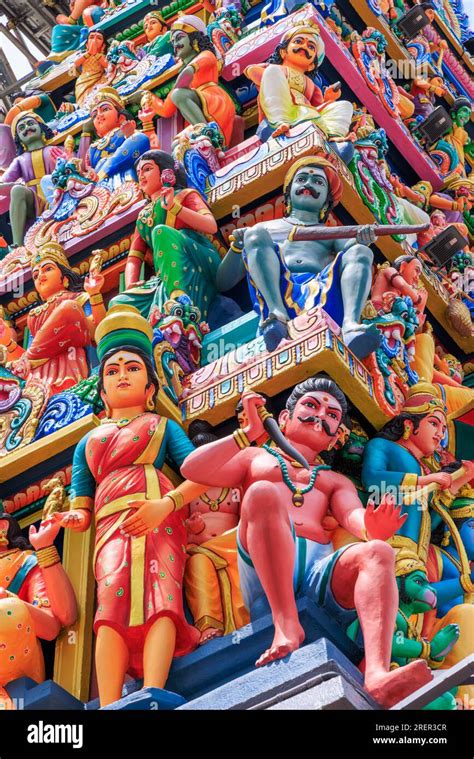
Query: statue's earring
{"x": 196, "y": 46}
{"x": 288, "y": 208}
{"x": 322, "y": 213}
{"x": 66, "y": 284}
{"x": 406, "y": 432}
{"x": 150, "y": 404}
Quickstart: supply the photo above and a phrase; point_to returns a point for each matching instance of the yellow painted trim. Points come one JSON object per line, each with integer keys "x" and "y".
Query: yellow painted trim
{"x": 152, "y": 449}
{"x": 119, "y": 504}
{"x": 31, "y": 455}
{"x": 137, "y": 575}
{"x": 30, "y": 519}
{"x": 138, "y": 546}
{"x": 410, "y": 480}
{"x": 73, "y": 654}
{"x": 354, "y": 388}
{"x": 82, "y": 502}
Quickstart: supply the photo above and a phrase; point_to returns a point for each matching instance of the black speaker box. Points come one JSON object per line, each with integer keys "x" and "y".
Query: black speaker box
{"x": 444, "y": 246}
{"x": 412, "y": 22}
{"x": 439, "y": 122}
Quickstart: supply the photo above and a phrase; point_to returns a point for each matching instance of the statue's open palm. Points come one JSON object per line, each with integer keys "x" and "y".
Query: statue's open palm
{"x": 383, "y": 522}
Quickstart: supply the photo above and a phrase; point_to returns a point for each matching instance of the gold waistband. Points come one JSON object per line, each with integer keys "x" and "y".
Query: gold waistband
{"x": 120, "y": 504}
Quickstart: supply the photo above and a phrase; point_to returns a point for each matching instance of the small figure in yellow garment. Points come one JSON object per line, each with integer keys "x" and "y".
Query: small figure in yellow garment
{"x": 211, "y": 578}
{"x": 196, "y": 93}
{"x": 64, "y": 324}
{"x": 92, "y": 64}
{"x": 288, "y": 93}
{"x": 36, "y": 600}
{"x": 140, "y": 537}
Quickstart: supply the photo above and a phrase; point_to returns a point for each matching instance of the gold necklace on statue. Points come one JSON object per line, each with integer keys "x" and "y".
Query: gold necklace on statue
{"x": 214, "y": 503}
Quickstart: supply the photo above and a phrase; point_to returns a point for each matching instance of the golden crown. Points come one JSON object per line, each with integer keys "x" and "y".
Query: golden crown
{"x": 407, "y": 561}
{"x": 50, "y": 251}
{"x": 423, "y": 398}
{"x": 107, "y": 95}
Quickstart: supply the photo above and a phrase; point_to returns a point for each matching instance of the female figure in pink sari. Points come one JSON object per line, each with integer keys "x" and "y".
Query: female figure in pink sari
{"x": 140, "y": 548}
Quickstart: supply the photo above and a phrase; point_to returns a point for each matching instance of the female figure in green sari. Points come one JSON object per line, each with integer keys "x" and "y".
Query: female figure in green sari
{"x": 172, "y": 228}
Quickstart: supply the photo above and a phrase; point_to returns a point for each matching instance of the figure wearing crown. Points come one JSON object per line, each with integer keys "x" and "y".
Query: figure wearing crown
{"x": 64, "y": 324}
{"x": 449, "y": 569}
{"x": 288, "y": 93}
{"x": 196, "y": 94}
{"x": 113, "y": 155}
{"x": 403, "y": 457}
{"x": 287, "y": 276}
{"x": 140, "y": 537}
{"x": 20, "y": 186}
{"x": 173, "y": 227}
{"x": 158, "y": 34}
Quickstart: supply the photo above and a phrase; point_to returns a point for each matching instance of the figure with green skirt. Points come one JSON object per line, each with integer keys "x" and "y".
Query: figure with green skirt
{"x": 173, "y": 228}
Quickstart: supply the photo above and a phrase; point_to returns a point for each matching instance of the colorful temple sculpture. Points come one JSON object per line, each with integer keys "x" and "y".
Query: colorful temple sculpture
{"x": 236, "y": 373}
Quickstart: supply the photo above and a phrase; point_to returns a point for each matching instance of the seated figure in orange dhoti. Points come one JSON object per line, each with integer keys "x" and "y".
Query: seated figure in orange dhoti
{"x": 197, "y": 94}
{"x": 211, "y": 578}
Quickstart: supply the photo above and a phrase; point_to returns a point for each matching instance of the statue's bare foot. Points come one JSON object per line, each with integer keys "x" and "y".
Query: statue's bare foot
{"x": 274, "y": 330}
{"x": 281, "y": 129}
{"x": 209, "y": 634}
{"x": 361, "y": 339}
{"x": 62, "y": 19}
{"x": 284, "y": 642}
{"x": 389, "y": 688}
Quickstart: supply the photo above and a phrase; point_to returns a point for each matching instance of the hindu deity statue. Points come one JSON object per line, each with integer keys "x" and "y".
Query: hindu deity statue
{"x": 449, "y": 569}
{"x": 172, "y": 227}
{"x": 418, "y": 596}
{"x": 158, "y": 35}
{"x": 287, "y": 276}
{"x": 64, "y": 324}
{"x": 288, "y": 93}
{"x": 403, "y": 278}
{"x": 439, "y": 222}
{"x": 92, "y": 64}
{"x": 423, "y": 93}
{"x": 456, "y": 199}
{"x": 451, "y": 151}
{"x": 36, "y": 600}
{"x": 67, "y": 34}
{"x": 402, "y": 459}
{"x": 342, "y": 581}
{"x": 113, "y": 155}
{"x": 20, "y": 185}
{"x": 211, "y": 578}
{"x": 140, "y": 538}
{"x": 197, "y": 94}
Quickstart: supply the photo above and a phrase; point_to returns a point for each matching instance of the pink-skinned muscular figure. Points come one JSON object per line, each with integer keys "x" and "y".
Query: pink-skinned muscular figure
{"x": 284, "y": 533}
